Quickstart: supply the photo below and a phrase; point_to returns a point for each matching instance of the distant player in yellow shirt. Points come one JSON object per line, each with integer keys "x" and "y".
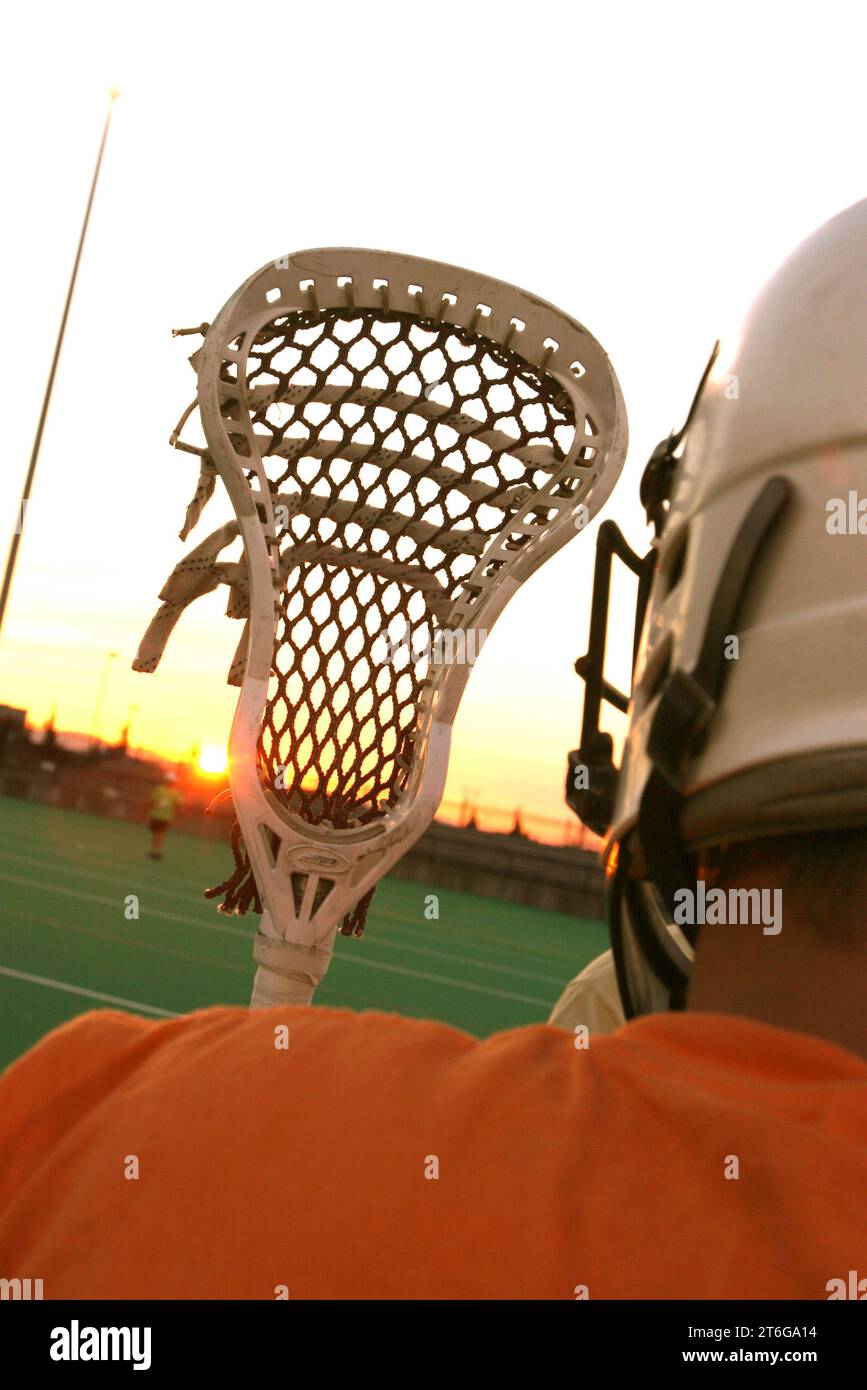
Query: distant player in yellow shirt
{"x": 165, "y": 800}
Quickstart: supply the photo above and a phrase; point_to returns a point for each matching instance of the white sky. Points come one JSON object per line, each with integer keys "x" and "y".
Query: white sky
{"x": 642, "y": 166}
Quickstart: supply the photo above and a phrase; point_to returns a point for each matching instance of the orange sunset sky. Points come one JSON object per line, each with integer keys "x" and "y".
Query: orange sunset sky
{"x": 253, "y": 133}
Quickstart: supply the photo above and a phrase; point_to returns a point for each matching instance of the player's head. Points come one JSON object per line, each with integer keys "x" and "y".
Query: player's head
{"x": 748, "y": 716}
{"x": 170, "y": 778}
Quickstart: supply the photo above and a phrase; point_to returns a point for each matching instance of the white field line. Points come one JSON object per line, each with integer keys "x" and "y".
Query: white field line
{"x": 352, "y": 957}
{"x": 215, "y": 962}
{"x": 492, "y": 928}
{"x": 117, "y": 904}
{"x": 87, "y": 993}
{"x": 376, "y": 941}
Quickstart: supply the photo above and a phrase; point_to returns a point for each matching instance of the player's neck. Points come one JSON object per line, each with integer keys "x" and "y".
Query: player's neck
{"x": 798, "y": 979}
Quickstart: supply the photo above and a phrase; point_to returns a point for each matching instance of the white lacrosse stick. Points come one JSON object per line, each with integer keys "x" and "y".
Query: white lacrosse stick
{"x": 403, "y": 443}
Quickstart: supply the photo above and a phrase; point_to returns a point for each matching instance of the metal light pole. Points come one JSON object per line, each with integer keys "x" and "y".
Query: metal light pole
{"x": 46, "y": 401}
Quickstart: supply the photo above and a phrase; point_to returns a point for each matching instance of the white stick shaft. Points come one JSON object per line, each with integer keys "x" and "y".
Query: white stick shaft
{"x": 287, "y": 973}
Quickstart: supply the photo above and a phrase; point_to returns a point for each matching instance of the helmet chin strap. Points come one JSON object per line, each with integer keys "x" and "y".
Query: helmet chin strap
{"x": 686, "y": 707}
{"x": 652, "y": 969}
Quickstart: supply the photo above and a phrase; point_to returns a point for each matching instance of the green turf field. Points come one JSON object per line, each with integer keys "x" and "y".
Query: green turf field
{"x": 66, "y": 947}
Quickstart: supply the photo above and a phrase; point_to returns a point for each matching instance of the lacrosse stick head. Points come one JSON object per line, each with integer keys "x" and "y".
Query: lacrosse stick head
{"x": 404, "y": 443}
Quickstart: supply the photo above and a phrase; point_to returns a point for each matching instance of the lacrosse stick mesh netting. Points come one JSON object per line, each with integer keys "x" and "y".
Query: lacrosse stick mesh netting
{"x": 396, "y": 449}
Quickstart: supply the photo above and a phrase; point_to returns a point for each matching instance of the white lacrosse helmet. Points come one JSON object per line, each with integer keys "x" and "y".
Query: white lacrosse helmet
{"x": 748, "y": 713}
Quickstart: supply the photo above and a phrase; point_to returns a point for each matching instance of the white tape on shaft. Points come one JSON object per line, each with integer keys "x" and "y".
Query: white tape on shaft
{"x": 271, "y": 990}
{"x": 287, "y": 973}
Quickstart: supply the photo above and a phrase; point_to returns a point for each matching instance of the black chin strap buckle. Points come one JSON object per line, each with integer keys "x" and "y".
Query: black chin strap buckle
{"x": 591, "y": 781}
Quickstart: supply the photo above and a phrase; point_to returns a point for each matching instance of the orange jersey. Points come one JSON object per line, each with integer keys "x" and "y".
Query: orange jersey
{"x": 685, "y": 1156}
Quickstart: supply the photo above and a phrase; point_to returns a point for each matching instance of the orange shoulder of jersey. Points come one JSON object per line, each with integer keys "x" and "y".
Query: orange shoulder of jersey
{"x": 318, "y": 1153}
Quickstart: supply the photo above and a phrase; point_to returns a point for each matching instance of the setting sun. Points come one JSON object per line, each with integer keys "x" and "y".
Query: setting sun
{"x": 213, "y": 759}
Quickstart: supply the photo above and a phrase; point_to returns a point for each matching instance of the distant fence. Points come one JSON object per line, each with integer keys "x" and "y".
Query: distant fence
{"x": 551, "y": 830}
{"x": 560, "y": 878}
